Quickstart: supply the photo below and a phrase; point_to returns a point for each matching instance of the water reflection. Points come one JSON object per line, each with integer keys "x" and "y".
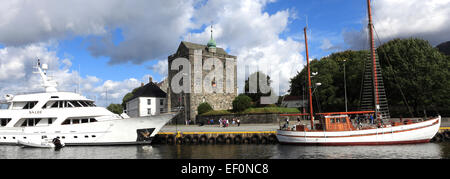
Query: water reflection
{"x": 418, "y": 151}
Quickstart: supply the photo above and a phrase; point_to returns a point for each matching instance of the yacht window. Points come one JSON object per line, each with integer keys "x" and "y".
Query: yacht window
{"x": 75, "y": 137}
{"x": 66, "y": 122}
{"x": 55, "y": 104}
{"x": 30, "y": 122}
{"x": 30, "y": 105}
{"x": 90, "y": 103}
{"x": 54, "y": 97}
{"x": 26, "y": 106}
{"x": 92, "y": 120}
{"x": 4, "y": 105}
{"x": 84, "y": 120}
{"x": 83, "y": 104}
{"x": 60, "y": 103}
{"x": 75, "y": 103}
{"x": 4, "y": 122}
{"x": 70, "y": 105}
{"x": 75, "y": 121}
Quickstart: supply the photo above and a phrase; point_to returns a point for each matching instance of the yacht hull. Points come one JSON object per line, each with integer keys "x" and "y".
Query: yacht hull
{"x": 421, "y": 132}
{"x": 131, "y": 131}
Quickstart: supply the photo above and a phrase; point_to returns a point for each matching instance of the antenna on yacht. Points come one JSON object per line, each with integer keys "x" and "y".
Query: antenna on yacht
{"x": 49, "y": 84}
{"x": 79, "y": 79}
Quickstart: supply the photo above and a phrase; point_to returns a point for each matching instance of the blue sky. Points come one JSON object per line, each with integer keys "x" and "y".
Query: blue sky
{"x": 118, "y": 44}
{"x": 326, "y": 18}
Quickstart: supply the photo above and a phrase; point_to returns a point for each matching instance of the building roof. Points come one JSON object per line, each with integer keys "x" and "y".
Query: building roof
{"x": 191, "y": 45}
{"x": 148, "y": 90}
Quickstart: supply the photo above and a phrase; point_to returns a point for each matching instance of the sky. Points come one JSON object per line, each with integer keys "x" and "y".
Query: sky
{"x": 109, "y": 47}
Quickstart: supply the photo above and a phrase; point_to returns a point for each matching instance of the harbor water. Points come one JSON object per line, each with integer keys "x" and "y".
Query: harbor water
{"x": 250, "y": 151}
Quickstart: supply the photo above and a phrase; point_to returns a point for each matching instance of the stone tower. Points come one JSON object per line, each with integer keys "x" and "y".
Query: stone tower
{"x": 221, "y": 100}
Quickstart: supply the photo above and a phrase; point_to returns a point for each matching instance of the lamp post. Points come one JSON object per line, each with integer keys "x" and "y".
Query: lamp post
{"x": 345, "y": 88}
{"x": 183, "y": 97}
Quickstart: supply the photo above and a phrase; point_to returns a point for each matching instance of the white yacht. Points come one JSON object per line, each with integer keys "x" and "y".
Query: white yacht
{"x": 72, "y": 118}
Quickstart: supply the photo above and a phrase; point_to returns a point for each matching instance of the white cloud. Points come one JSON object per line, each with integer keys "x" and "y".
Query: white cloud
{"x": 161, "y": 68}
{"x": 150, "y": 29}
{"x": 404, "y": 19}
{"x": 281, "y": 58}
{"x": 16, "y": 75}
{"x": 245, "y": 30}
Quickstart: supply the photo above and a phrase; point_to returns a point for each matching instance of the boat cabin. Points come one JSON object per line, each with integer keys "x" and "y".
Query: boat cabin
{"x": 330, "y": 123}
{"x": 335, "y": 123}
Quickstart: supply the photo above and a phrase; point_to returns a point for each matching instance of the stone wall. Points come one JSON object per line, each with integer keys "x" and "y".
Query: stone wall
{"x": 247, "y": 118}
{"x": 219, "y": 101}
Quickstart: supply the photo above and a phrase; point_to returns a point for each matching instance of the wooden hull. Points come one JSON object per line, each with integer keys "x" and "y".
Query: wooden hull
{"x": 421, "y": 132}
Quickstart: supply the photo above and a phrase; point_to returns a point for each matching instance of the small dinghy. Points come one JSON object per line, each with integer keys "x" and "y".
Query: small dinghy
{"x": 42, "y": 143}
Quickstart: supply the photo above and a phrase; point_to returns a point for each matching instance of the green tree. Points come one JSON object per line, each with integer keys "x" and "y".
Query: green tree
{"x": 411, "y": 66}
{"x": 241, "y": 103}
{"x": 115, "y": 108}
{"x": 204, "y": 108}
{"x": 419, "y": 70}
{"x": 330, "y": 96}
{"x": 128, "y": 96}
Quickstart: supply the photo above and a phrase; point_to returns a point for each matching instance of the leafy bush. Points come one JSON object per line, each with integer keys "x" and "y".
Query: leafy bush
{"x": 273, "y": 110}
{"x": 204, "y": 108}
{"x": 115, "y": 108}
{"x": 241, "y": 103}
{"x": 215, "y": 113}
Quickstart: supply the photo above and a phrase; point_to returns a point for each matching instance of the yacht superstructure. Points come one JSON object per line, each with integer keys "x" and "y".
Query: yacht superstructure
{"x": 72, "y": 118}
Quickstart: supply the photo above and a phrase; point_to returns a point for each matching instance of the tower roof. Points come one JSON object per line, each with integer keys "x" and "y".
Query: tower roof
{"x": 212, "y": 42}
{"x": 190, "y": 45}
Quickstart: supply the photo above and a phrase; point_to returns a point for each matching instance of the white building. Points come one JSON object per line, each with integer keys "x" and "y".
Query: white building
{"x": 147, "y": 100}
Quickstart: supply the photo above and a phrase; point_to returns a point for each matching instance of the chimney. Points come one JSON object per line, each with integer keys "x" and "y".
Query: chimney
{"x": 150, "y": 79}
{"x": 142, "y": 84}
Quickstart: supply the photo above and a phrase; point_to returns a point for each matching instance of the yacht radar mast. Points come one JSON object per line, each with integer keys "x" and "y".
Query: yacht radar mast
{"x": 49, "y": 84}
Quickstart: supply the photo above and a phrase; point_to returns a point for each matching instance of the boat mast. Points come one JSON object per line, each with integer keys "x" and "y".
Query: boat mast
{"x": 309, "y": 81}
{"x": 372, "y": 51}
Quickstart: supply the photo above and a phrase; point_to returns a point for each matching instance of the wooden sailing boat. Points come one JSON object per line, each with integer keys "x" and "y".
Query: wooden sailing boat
{"x": 336, "y": 128}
